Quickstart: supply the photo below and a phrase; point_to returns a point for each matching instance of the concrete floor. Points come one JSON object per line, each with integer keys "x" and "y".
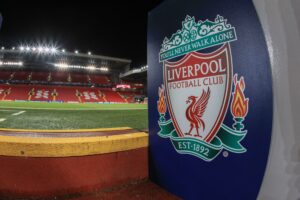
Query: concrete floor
{"x": 145, "y": 190}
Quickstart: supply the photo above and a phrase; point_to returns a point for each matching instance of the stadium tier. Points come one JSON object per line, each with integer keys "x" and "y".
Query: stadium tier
{"x": 57, "y": 76}
{"x": 40, "y": 76}
{"x": 30, "y": 75}
{"x": 128, "y": 96}
{"x": 23, "y": 75}
{"x": 99, "y": 79}
{"x": 63, "y": 94}
{"x": 79, "y": 78}
{"x": 5, "y": 75}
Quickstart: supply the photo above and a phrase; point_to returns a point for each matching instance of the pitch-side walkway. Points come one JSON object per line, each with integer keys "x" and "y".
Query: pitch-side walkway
{"x": 144, "y": 190}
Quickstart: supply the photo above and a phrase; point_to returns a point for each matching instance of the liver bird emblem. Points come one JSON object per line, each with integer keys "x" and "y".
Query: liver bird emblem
{"x": 195, "y": 111}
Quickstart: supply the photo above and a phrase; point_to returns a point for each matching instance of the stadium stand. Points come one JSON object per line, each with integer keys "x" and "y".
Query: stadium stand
{"x": 63, "y": 94}
{"x": 112, "y": 96}
{"x": 20, "y": 75}
{"x": 99, "y": 79}
{"x": 59, "y": 76}
{"x": 19, "y": 92}
{"x": 64, "y": 77}
{"x": 79, "y": 78}
{"x": 5, "y": 75}
{"x": 39, "y": 76}
{"x": 128, "y": 96}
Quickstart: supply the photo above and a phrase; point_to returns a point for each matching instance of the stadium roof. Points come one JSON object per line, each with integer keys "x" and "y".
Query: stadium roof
{"x": 39, "y": 58}
{"x": 139, "y": 74}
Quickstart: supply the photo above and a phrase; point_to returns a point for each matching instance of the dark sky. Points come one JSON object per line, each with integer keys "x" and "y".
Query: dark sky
{"x": 106, "y": 27}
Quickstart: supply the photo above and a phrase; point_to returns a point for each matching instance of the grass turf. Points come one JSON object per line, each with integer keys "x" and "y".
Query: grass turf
{"x": 42, "y": 115}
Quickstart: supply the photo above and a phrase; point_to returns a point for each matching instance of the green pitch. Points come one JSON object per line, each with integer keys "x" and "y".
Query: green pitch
{"x": 39, "y": 115}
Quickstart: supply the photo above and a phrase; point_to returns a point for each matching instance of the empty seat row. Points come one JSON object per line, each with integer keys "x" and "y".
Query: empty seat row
{"x": 54, "y": 77}
{"x": 61, "y": 93}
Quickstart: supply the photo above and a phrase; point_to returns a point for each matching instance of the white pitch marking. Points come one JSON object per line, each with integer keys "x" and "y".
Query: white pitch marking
{"x": 2, "y": 119}
{"x": 18, "y": 113}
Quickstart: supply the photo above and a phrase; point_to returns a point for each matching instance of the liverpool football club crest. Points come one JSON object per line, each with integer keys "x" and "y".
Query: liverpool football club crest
{"x": 200, "y": 89}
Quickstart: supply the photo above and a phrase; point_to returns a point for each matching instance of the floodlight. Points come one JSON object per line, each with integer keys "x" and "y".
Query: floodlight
{"x": 40, "y": 49}
{"x": 61, "y": 65}
{"x": 90, "y": 67}
{"x": 103, "y": 68}
{"x": 9, "y": 63}
{"x": 53, "y": 50}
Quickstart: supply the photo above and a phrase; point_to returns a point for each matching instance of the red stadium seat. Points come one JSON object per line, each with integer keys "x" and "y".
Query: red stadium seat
{"x": 99, "y": 79}
{"x": 5, "y": 75}
{"x": 112, "y": 96}
{"x": 79, "y": 78}
{"x": 39, "y": 76}
{"x": 21, "y": 75}
{"x": 129, "y": 96}
{"x": 59, "y": 77}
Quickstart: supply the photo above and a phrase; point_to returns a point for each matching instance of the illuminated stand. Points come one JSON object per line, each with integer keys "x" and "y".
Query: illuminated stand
{"x": 265, "y": 52}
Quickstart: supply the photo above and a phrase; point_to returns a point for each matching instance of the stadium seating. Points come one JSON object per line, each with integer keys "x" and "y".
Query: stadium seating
{"x": 53, "y": 77}
{"x": 112, "y": 96}
{"x": 129, "y": 96}
{"x": 20, "y": 75}
{"x": 87, "y": 95}
{"x": 60, "y": 77}
{"x": 39, "y": 76}
{"x": 5, "y": 75}
{"x": 79, "y": 78}
{"x": 64, "y": 86}
{"x": 99, "y": 79}
{"x": 40, "y": 93}
{"x": 63, "y": 94}
{"x": 4, "y": 90}
{"x": 18, "y": 92}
